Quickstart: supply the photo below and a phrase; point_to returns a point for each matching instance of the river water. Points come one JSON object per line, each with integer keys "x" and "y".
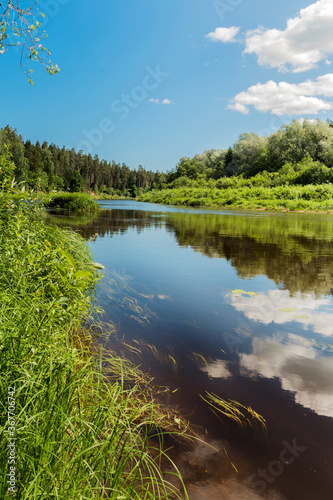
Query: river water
{"x": 233, "y": 305}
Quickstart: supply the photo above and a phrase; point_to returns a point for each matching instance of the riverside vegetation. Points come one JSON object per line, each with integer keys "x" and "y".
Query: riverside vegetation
{"x": 292, "y": 169}
{"x": 73, "y": 202}
{"x": 289, "y": 170}
{"x": 269, "y": 191}
{"x": 82, "y": 423}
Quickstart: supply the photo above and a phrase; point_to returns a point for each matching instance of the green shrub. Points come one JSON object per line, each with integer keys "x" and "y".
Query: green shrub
{"x": 73, "y": 202}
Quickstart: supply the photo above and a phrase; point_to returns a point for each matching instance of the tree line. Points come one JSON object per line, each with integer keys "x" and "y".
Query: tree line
{"x": 48, "y": 167}
{"x": 299, "y": 153}
{"x": 301, "y": 142}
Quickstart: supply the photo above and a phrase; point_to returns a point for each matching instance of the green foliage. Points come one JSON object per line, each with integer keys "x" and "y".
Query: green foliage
{"x": 83, "y": 425}
{"x": 76, "y": 182}
{"x": 265, "y": 190}
{"x": 19, "y": 28}
{"x": 298, "y": 154}
{"x": 51, "y": 168}
{"x": 286, "y": 171}
{"x": 73, "y": 202}
{"x": 7, "y": 168}
{"x": 253, "y": 154}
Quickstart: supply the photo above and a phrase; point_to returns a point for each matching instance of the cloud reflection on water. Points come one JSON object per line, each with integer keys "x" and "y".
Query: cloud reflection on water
{"x": 277, "y": 306}
{"x": 217, "y": 369}
{"x": 300, "y": 369}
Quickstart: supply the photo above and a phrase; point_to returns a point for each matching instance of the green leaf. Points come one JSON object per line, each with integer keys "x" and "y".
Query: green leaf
{"x": 53, "y": 290}
{"x": 68, "y": 257}
{"x": 95, "y": 265}
{"x": 82, "y": 274}
{"x": 62, "y": 300}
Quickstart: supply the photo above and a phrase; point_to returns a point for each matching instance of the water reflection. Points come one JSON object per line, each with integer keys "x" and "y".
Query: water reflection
{"x": 238, "y": 305}
{"x": 300, "y": 369}
{"x": 279, "y": 307}
{"x": 217, "y": 369}
{"x": 297, "y": 254}
{"x": 294, "y": 251}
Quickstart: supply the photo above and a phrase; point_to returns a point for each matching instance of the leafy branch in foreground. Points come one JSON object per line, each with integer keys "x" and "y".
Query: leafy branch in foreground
{"x": 19, "y": 28}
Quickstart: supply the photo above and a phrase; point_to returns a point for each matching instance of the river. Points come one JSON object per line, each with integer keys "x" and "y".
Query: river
{"x": 237, "y": 305}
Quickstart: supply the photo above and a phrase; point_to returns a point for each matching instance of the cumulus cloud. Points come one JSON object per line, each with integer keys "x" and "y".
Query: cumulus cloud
{"x": 287, "y": 98}
{"x": 302, "y": 120}
{"x": 157, "y": 101}
{"x": 224, "y": 35}
{"x": 306, "y": 40}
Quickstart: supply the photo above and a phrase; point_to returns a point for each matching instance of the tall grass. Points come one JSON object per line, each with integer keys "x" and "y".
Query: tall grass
{"x": 306, "y": 185}
{"x": 73, "y": 202}
{"x": 83, "y": 423}
{"x": 309, "y": 197}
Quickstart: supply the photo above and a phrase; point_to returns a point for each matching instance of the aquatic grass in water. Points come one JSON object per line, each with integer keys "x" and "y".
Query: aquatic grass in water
{"x": 243, "y": 416}
{"x": 118, "y": 292}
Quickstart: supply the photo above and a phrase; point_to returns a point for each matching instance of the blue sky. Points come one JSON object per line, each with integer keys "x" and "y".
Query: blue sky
{"x": 150, "y": 81}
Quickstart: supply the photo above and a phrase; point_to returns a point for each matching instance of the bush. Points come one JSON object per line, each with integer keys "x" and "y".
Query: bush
{"x": 73, "y": 202}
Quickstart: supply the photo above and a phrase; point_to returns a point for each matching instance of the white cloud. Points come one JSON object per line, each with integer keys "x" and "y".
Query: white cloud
{"x": 211, "y": 62}
{"x": 306, "y": 40}
{"x": 224, "y": 34}
{"x": 287, "y": 98}
{"x": 157, "y": 101}
{"x": 302, "y": 120}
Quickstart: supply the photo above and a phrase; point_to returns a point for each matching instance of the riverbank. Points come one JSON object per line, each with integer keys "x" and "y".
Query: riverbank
{"x": 308, "y": 198}
{"x": 73, "y": 424}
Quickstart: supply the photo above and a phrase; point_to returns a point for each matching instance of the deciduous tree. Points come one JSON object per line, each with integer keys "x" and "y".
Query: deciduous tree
{"x": 20, "y": 30}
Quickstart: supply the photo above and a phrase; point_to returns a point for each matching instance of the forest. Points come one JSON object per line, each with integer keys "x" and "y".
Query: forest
{"x": 291, "y": 169}
{"x": 252, "y": 154}
{"x": 49, "y": 167}
{"x": 299, "y": 154}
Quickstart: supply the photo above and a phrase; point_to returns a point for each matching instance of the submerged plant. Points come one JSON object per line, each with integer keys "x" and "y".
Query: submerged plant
{"x": 243, "y": 416}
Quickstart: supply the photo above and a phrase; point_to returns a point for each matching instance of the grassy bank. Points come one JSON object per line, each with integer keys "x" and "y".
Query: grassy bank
{"x": 73, "y": 202}
{"x": 306, "y": 185}
{"x": 291, "y": 198}
{"x": 72, "y": 427}
{"x": 104, "y": 196}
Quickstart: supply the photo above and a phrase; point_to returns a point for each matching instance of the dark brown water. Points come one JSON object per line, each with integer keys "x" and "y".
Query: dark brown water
{"x": 236, "y": 304}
